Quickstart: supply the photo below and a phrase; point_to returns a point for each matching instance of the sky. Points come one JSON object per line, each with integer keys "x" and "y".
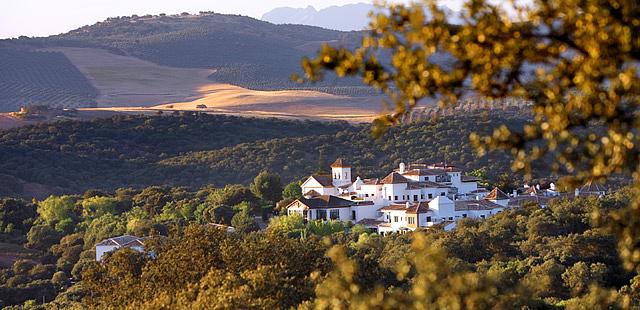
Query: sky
{"x": 48, "y": 17}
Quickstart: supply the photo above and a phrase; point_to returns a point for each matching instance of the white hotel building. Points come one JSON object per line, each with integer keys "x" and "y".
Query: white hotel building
{"x": 408, "y": 198}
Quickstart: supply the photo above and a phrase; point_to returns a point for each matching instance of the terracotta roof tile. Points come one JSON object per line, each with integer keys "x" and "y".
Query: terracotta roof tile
{"x": 324, "y": 202}
{"x": 340, "y": 163}
{"x": 496, "y": 194}
{"x": 394, "y": 178}
{"x": 326, "y": 180}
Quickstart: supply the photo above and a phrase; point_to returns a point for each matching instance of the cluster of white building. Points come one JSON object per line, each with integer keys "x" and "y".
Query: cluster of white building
{"x": 411, "y": 197}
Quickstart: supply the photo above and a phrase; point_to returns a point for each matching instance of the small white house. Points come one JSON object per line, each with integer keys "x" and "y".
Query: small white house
{"x": 112, "y": 244}
{"x": 327, "y": 207}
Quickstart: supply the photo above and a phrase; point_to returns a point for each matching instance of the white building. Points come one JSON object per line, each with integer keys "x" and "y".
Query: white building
{"x": 112, "y": 244}
{"x": 412, "y": 196}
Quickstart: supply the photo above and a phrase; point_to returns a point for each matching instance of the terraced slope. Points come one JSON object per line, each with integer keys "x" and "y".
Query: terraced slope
{"x": 36, "y": 77}
{"x": 243, "y": 51}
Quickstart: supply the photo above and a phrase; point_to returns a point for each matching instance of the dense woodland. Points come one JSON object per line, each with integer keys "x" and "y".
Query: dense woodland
{"x": 201, "y": 150}
{"x": 560, "y": 256}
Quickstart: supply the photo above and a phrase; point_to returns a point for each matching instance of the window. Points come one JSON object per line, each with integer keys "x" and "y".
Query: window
{"x": 334, "y": 214}
{"x": 481, "y": 216}
{"x": 366, "y": 195}
{"x": 428, "y": 219}
{"x": 450, "y": 218}
{"x": 395, "y": 219}
{"x": 430, "y": 196}
{"x": 422, "y": 196}
{"x": 464, "y": 215}
{"x": 389, "y": 197}
{"x": 415, "y": 197}
{"x": 321, "y": 214}
{"x": 411, "y": 220}
{"x": 353, "y": 215}
{"x": 442, "y": 194}
{"x": 395, "y": 197}
{"x": 305, "y": 214}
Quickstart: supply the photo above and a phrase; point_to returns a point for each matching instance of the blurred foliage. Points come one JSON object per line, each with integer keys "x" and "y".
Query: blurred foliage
{"x": 575, "y": 60}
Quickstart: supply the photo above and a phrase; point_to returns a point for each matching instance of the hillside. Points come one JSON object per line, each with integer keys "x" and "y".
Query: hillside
{"x": 122, "y": 151}
{"x": 243, "y": 51}
{"x": 71, "y": 156}
{"x": 35, "y": 77}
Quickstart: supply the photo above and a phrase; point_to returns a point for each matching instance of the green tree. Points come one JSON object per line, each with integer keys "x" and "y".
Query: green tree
{"x": 16, "y": 217}
{"x": 580, "y": 276}
{"x": 267, "y": 186}
{"x": 56, "y": 208}
{"x": 288, "y": 225}
{"x": 97, "y": 206}
{"x": 292, "y": 191}
{"x": 230, "y": 195}
{"x": 42, "y": 237}
{"x": 574, "y": 60}
{"x": 243, "y": 221}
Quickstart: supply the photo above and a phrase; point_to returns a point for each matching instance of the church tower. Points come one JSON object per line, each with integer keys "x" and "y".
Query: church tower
{"x": 341, "y": 173}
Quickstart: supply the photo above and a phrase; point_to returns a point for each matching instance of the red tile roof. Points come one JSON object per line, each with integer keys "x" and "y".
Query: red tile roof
{"x": 324, "y": 202}
{"x": 496, "y": 194}
{"x": 394, "y": 178}
{"x": 326, "y": 180}
{"x": 339, "y": 163}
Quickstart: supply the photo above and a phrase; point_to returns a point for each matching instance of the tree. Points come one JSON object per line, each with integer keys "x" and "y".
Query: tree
{"x": 97, "y": 206}
{"x": 580, "y": 276}
{"x": 267, "y": 186}
{"x": 230, "y": 195}
{"x": 292, "y": 191}
{"x": 16, "y": 216}
{"x": 152, "y": 199}
{"x": 574, "y": 60}
{"x": 288, "y": 225}
{"x": 56, "y": 208}
{"x": 42, "y": 237}
{"x": 243, "y": 221}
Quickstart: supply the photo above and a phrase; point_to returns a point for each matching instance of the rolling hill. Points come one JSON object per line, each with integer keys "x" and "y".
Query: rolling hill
{"x": 227, "y": 49}
{"x": 31, "y": 77}
{"x": 243, "y": 51}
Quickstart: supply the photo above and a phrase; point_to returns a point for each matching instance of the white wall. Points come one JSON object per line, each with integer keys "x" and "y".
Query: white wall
{"x": 103, "y": 249}
{"x": 366, "y": 212}
{"x": 467, "y": 187}
{"x": 394, "y": 190}
{"x": 391, "y": 214}
{"x": 373, "y": 191}
{"x": 444, "y": 208}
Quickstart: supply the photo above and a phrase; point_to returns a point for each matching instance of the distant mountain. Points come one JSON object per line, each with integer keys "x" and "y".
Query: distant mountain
{"x": 346, "y": 18}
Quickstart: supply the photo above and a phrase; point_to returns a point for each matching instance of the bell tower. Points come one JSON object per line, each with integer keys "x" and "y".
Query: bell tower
{"x": 340, "y": 173}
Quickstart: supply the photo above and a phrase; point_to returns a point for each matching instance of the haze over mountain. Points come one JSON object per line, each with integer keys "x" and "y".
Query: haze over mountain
{"x": 346, "y": 18}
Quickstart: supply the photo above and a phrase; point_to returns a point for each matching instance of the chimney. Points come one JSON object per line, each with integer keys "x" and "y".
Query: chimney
{"x": 403, "y": 168}
{"x": 514, "y": 194}
{"x": 407, "y": 205}
{"x": 577, "y": 192}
